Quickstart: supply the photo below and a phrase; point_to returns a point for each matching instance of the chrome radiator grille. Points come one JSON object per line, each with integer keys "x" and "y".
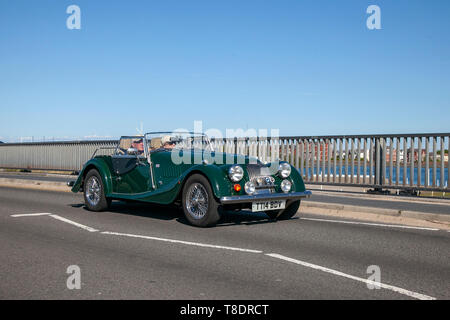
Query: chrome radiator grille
{"x": 254, "y": 171}
{"x": 260, "y": 176}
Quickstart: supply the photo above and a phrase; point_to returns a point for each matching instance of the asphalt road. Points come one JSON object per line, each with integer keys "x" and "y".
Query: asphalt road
{"x": 390, "y": 202}
{"x": 139, "y": 251}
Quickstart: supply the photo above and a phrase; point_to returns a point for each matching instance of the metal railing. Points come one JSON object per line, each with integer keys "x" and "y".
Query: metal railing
{"x": 400, "y": 161}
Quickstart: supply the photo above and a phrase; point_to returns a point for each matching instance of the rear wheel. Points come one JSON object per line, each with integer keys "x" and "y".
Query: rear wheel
{"x": 285, "y": 214}
{"x": 199, "y": 205}
{"x": 94, "y": 192}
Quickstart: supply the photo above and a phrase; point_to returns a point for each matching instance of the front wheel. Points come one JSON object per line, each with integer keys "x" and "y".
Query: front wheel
{"x": 199, "y": 205}
{"x": 285, "y": 214}
{"x": 94, "y": 192}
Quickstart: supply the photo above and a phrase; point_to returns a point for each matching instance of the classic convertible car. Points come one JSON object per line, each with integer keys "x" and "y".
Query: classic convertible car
{"x": 184, "y": 169}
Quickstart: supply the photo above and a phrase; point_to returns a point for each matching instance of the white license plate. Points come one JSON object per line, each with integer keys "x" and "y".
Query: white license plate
{"x": 268, "y": 205}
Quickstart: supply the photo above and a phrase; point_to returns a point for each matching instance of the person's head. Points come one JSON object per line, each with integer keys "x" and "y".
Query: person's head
{"x": 138, "y": 144}
{"x": 167, "y": 143}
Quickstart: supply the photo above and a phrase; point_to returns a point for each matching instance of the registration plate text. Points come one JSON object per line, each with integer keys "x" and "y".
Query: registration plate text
{"x": 268, "y": 205}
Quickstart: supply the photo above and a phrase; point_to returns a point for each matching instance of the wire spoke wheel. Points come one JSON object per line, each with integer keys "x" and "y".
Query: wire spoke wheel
{"x": 199, "y": 204}
{"x": 93, "y": 191}
{"x": 197, "y": 201}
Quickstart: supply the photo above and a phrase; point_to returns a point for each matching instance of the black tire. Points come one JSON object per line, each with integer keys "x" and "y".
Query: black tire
{"x": 97, "y": 202}
{"x": 285, "y": 214}
{"x": 199, "y": 205}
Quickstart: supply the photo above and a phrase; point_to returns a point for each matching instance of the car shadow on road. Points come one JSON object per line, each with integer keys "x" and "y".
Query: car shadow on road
{"x": 233, "y": 218}
{"x": 148, "y": 210}
{"x": 244, "y": 217}
{"x": 171, "y": 212}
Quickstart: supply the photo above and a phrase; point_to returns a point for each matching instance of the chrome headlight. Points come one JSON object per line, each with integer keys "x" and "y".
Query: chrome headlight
{"x": 235, "y": 173}
{"x": 286, "y": 185}
{"x": 284, "y": 169}
{"x": 250, "y": 187}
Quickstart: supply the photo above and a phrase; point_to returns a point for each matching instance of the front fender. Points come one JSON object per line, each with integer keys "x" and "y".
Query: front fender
{"x": 296, "y": 178}
{"x": 102, "y": 167}
{"x": 216, "y": 175}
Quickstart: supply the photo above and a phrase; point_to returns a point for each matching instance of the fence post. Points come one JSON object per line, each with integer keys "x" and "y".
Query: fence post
{"x": 377, "y": 162}
{"x": 380, "y": 163}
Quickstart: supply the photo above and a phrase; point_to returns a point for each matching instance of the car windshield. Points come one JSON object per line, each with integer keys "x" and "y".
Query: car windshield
{"x": 160, "y": 141}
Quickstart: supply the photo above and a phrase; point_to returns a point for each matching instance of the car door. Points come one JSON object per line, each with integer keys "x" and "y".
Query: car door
{"x": 132, "y": 172}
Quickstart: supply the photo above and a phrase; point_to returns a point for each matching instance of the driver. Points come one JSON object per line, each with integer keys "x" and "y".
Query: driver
{"x": 138, "y": 143}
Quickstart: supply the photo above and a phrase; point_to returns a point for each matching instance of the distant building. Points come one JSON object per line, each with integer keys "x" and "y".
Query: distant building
{"x": 415, "y": 152}
{"x": 394, "y": 155}
{"x": 438, "y": 157}
{"x": 410, "y": 153}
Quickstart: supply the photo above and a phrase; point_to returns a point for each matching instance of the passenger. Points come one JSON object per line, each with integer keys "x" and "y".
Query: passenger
{"x": 167, "y": 143}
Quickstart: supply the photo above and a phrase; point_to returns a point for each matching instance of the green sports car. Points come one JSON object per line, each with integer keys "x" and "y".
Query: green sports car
{"x": 183, "y": 168}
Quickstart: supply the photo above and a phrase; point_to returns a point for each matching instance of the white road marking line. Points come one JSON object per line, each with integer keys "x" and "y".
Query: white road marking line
{"x": 30, "y": 215}
{"x": 373, "y": 224}
{"x": 338, "y": 273}
{"x": 73, "y": 223}
{"x": 182, "y": 242}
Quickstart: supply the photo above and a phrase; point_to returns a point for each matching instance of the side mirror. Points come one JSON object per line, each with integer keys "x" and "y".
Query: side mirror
{"x": 132, "y": 151}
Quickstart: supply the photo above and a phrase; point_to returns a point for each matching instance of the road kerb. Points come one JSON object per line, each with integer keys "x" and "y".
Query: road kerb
{"x": 34, "y": 184}
{"x": 409, "y": 218}
{"x": 336, "y": 207}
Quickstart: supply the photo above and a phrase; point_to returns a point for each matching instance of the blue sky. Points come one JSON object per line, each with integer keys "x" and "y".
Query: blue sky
{"x": 304, "y": 67}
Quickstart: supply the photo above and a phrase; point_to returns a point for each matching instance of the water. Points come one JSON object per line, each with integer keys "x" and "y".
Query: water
{"x": 394, "y": 175}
